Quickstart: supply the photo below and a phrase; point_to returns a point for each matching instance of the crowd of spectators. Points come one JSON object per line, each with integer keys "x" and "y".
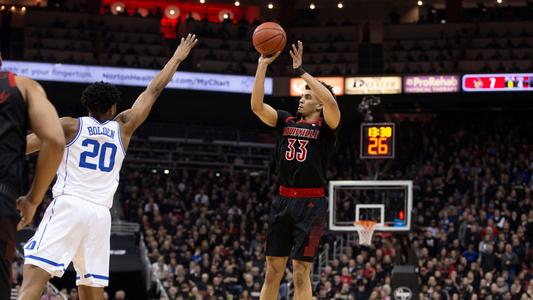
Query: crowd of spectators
{"x": 473, "y": 215}
{"x": 472, "y": 219}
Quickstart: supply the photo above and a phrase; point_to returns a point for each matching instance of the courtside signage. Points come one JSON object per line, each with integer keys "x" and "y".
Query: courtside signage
{"x": 519, "y": 82}
{"x": 431, "y": 84}
{"x": 373, "y": 85}
{"x": 297, "y": 85}
{"x": 133, "y": 77}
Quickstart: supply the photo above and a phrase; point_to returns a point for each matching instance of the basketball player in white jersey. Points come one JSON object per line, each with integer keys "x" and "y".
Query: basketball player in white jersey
{"x": 76, "y": 225}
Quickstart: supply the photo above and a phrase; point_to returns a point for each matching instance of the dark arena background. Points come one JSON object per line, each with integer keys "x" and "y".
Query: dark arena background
{"x": 190, "y": 216}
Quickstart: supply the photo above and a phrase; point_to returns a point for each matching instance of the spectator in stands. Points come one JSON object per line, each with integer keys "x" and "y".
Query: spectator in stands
{"x": 73, "y": 294}
{"x": 120, "y": 295}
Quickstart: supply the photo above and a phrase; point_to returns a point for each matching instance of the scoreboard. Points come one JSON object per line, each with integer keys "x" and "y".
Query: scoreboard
{"x": 377, "y": 140}
{"x": 498, "y": 82}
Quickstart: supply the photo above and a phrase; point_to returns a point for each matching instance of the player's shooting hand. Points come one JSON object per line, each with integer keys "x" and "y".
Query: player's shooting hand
{"x": 297, "y": 54}
{"x": 268, "y": 59}
{"x": 27, "y": 209}
{"x": 185, "y": 47}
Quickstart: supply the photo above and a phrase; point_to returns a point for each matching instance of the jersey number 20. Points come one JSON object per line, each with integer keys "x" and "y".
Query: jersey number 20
{"x": 302, "y": 152}
{"x": 86, "y": 156}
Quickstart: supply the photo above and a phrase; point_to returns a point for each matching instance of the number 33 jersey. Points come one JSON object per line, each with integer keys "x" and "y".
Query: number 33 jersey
{"x": 91, "y": 164}
{"x": 303, "y": 151}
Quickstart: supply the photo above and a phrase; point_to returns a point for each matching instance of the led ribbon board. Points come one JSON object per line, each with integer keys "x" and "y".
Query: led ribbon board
{"x": 134, "y": 77}
{"x": 519, "y": 82}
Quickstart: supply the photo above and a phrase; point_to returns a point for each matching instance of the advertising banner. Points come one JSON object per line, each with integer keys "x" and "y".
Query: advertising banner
{"x": 520, "y": 82}
{"x": 431, "y": 84}
{"x": 373, "y": 85}
{"x": 134, "y": 77}
{"x": 297, "y": 85}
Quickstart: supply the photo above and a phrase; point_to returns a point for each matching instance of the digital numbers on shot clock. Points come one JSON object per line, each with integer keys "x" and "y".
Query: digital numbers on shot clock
{"x": 377, "y": 140}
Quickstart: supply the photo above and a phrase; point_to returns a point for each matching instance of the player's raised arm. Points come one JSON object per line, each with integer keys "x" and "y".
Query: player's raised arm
{"x": 265, "y": 112}
{"x": 45, "y": 123}
{"x": 332, "y": 114}
{"x": 132, "y": 118}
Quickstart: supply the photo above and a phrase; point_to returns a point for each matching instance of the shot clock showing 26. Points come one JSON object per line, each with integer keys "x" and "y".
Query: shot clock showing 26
{"x": 377, "y": 140}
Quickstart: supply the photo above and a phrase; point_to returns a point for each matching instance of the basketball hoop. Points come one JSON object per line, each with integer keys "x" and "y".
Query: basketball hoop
{"x": 365, "y": 229}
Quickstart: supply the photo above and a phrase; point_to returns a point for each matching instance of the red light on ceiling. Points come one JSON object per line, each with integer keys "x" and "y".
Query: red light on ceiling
{"x": 401, "y": 215}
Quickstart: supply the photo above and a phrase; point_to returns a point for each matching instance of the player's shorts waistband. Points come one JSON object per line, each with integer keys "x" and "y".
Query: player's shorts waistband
{"x": 301, "y": 192}
{"x": 78, "y": 199}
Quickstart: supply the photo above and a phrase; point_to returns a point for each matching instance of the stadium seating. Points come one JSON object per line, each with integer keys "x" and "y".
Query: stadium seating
{"x": 226, "y": 47}
{"x": 106, "y": 40}
{"x": 473, "y": 219}
{"x": 458, "y": 48}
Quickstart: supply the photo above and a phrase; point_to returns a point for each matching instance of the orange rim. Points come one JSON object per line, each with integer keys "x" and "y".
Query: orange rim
{"x": 367, "y": 224}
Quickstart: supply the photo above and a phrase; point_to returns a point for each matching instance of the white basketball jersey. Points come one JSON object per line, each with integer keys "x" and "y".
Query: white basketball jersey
{"x": 91, "y": 163}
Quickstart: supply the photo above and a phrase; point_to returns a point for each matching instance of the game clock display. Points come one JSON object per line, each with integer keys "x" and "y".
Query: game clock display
{"x": 377, "y": 140}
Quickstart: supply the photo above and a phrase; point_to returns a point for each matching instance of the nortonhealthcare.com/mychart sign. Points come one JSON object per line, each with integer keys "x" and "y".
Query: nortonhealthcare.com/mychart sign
{"x": 133, "y": 77}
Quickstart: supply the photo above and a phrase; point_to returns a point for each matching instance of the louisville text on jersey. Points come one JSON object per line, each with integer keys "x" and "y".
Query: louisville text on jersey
{"x": 301, "y": 132}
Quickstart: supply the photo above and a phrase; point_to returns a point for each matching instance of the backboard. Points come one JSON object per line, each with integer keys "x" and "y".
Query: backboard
{"x": 387, "y": 202}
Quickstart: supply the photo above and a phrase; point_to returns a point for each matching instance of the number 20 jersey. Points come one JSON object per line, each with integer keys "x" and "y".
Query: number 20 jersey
{"x": 91, "y": 164}
{"x": 303, "y": 151}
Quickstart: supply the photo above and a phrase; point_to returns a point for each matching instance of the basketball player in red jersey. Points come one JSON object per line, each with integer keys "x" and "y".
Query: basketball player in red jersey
{"x": 298, "y": 214}
{"x": 23, "y": 105}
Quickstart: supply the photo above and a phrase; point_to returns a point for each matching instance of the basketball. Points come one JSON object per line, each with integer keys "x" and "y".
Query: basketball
{"x": 269, "y": 38}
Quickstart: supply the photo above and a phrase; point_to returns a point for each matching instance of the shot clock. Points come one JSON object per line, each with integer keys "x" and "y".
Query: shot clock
{"x": 377, "y": 140}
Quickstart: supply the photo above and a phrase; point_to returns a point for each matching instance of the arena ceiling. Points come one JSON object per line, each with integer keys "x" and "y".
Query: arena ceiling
{"x": 318, "y": 3}
{"x": 353, "y": 3}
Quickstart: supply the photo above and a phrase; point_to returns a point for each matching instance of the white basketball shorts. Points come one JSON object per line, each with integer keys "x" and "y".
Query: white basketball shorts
{"x": 73, "y": 230}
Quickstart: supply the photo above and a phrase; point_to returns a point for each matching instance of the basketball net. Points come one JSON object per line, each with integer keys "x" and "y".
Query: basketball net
{"x": 365, "y": 229}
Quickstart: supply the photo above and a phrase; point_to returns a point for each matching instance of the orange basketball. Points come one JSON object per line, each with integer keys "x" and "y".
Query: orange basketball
{"x": 269, "y": 38}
